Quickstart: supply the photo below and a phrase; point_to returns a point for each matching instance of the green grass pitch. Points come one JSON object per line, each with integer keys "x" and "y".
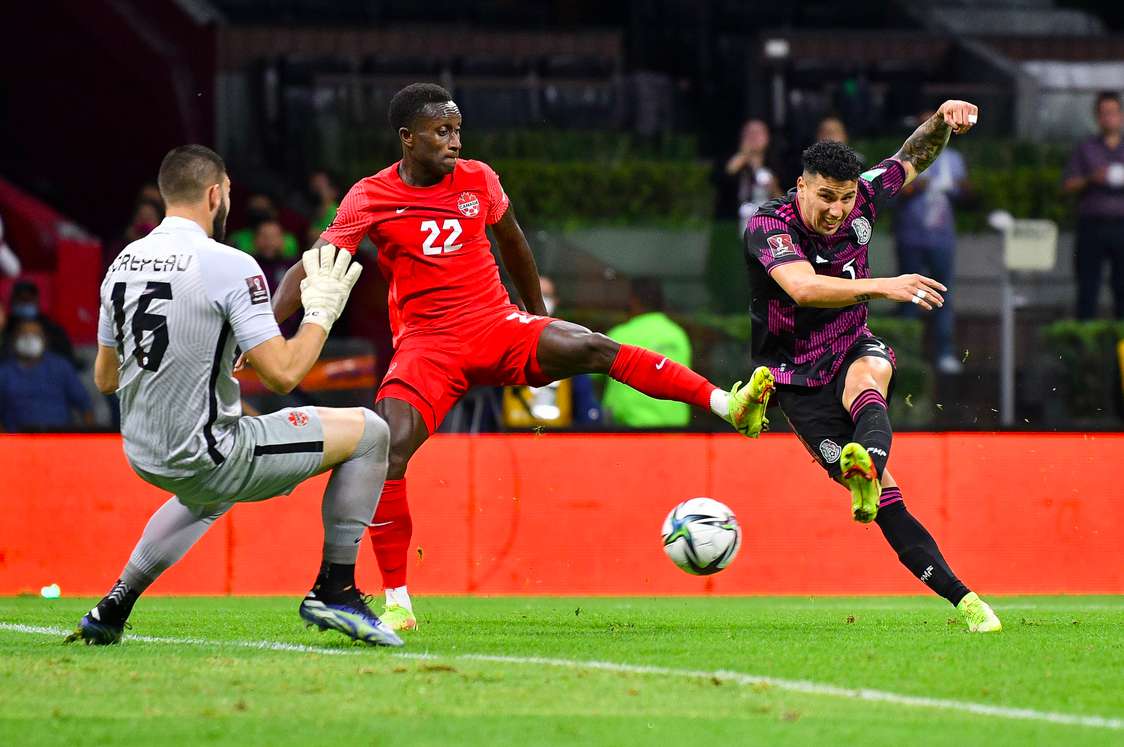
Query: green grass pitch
{"x": 518, "y": 671}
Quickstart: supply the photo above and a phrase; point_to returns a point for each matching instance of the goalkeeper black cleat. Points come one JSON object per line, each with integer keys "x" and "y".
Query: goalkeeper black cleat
{"x": 349, "y": 613}
{"x": 106, "y": 622}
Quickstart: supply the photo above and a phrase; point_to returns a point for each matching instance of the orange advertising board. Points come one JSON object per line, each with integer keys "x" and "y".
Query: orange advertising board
{"x": 580, "y": 514}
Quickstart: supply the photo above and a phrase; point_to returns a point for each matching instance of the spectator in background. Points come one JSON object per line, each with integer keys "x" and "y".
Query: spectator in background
{"x": 831, "y": 128}
{"x": 150, "y": 192}
{"x": 648, "y": 327}
{"x": 38, "y": 389}
{"x": 147, "y": 214}
{"x": 325, "y": 201}
{"x": 269, "y": 250}
{"x": 757, "y": 183}
{"x": 1095, "y": 172}
{"x": 25, "y": 306}
{"x": 925, "y": 231}
{"x": 260, "y": 207}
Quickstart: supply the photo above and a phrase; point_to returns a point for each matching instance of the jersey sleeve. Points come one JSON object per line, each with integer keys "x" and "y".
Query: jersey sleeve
{"x": 497, "y": 198}
{"x": 237, "y": 284}
{"x": 105, "y": 328}
{"x": 352, "y": 221}
{"x": 770, "y": 241}
{"x": 883, "y": 182}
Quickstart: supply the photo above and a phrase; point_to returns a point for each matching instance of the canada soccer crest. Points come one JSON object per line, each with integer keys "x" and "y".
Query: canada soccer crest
{"x": 781, "y": 246}
{"x": 861, "y": 227}
{"x": 298, "y": 419}
{"x": 469, "y": 204}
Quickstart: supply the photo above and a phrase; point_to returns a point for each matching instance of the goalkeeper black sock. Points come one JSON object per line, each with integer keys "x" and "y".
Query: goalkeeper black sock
{"x": 872, "y": 427}
{"x": 335, "y": 579}
{"x": 116, "y": 606}
{"x": 916, "y": 548}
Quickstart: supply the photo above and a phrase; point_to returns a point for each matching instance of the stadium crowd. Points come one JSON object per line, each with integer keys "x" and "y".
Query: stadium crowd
{"x": 40, "y": 386}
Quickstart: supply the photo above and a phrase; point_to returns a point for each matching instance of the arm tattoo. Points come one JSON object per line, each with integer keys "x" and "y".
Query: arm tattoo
{"x": 863, "y": 298}
{"x": 925, "y": 144}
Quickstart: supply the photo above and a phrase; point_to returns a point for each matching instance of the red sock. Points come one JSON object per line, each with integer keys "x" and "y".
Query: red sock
{"x": 390, "y": 533}
{"x": 659, "y": 377}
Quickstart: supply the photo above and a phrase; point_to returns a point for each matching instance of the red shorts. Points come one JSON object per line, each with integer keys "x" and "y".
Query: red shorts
{"x": 431, "y": 370}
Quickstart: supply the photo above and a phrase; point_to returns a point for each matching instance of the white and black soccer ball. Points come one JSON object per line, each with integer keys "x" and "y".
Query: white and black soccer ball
{"x": 701, "y": 536}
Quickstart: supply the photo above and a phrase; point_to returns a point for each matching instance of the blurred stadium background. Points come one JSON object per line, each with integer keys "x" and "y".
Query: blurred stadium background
{"x": 610, "y": 125}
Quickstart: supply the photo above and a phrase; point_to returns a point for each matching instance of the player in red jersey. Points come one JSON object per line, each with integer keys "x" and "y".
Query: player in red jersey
{"x": 454, "y": 325}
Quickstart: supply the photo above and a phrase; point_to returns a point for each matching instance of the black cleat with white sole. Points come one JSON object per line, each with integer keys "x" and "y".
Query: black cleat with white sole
{"x": 349, "y": 613}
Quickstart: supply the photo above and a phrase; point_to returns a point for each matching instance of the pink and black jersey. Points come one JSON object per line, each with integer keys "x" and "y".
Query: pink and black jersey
{"x": 802, "y": 345}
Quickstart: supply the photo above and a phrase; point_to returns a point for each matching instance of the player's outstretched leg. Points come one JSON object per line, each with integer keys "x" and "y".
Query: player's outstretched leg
{"x": 169, "y": 534}
{"x": 349, "y": 503}
{"x": 918, "y": 552}
{"x": 565, "y": 349}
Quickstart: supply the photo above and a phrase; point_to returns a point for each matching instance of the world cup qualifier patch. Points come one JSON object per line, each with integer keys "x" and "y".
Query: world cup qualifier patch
{"x": 781, "y": 246}
{"x": 469, "y": 204}
{"x": 259, "y": 291}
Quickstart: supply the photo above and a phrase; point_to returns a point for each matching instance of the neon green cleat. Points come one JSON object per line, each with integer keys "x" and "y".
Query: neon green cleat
{"x": 398, "y": 617}
{"x": 979, "y": 615}
{"x": 861, "y": 477}
{"x": 748, "y": 403}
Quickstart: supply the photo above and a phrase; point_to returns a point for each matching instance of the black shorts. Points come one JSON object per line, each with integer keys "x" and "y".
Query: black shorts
{"x": 817, "y": 415}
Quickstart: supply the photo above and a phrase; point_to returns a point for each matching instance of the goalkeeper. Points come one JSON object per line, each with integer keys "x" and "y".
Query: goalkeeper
{"x": 175, "y": 305}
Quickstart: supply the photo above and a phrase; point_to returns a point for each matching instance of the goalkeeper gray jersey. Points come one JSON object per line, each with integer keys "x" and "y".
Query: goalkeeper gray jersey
{"x": 175, "y": 305}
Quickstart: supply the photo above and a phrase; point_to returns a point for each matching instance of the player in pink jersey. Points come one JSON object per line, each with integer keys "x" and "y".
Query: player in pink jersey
{"x": 454, "y": 325}
{"x": 810, "y": 282}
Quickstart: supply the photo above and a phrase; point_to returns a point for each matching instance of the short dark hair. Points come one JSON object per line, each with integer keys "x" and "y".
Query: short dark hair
{"x": 833, "y": 160}
{"x": 648, "y": 292}
{"x": 408, "y": 103}
{"x": 1104, "y": 96}
{"x": 25, "y": 288}
{"x": 267, "y": 222}
{"x": 188, "y": 171}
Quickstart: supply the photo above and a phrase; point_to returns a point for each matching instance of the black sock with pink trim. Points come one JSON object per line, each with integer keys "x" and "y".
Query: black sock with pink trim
{"x": 916, "y": 548}
{"x": 872, "y": 427}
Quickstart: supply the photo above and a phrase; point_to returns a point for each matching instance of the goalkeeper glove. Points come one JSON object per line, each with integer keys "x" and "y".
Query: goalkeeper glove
{"x": 328, "y": 283}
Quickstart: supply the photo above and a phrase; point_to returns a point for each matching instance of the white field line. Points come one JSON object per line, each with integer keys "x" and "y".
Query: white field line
{"x": 738, "y": 678}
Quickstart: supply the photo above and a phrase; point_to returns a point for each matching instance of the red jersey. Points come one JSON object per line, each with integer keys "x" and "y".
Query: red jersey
{"x": 432, "y": 246}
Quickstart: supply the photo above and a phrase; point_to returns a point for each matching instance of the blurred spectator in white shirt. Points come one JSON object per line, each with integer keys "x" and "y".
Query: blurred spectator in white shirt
{"x": 9, "y": 262}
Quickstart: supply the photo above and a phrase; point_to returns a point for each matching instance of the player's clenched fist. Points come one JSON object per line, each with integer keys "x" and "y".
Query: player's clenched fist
{"x": 330, "y": 276}
{"x": 959, "y": 115}
{"x": 915, "y": 289}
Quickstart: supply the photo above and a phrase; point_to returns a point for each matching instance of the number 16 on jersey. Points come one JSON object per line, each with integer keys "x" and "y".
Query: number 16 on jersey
{"x": 143, "y": 321}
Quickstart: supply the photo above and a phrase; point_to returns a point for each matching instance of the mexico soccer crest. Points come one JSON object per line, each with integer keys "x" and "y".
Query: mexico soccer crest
{"x": 830, "y": 451}
{"x": 469, "y": 205}
{"x": 861, "y": 227}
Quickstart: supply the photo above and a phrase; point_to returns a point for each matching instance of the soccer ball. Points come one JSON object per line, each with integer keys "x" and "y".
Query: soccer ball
{"x": 701, "y": 536}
